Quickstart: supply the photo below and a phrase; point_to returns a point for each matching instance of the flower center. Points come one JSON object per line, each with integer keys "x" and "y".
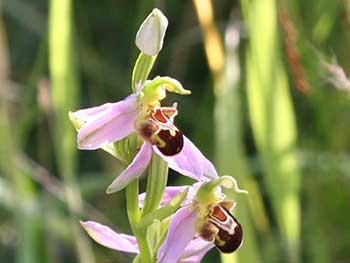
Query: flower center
{"x": 158, "y": 129}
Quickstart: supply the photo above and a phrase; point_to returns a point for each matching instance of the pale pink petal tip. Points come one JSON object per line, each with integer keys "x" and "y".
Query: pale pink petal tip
{"x": 190, "y": 162}
{"x": 181, "y": 231}
{"x": 134, "y": 170}
{"x": 105, "y": 124}
{"x": 105, "y": 236}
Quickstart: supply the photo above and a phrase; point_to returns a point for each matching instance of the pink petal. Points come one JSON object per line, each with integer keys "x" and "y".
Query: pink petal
{"x": 190, "y": 162}
{"x": 169, "y": 194}
{"x": 181, "y": 231}
{"x": 196, "y": 250}
{"x": 92, "y": 113}
{"x": 108, "y": 238}
{"x": 107, "y": 123}
{"x": 134, "y": 170}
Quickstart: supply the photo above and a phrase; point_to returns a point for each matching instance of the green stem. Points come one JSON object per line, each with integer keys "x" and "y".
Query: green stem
{"x": 156, "y": 183}
{"x": 273, "y": 121}
{"x": 142, "y": 68}
{"x": 157, "y": 178}
{"x": 65, "y": 91}
{"x": 132, "y": 192}
{"x": 25, "y": 202}
{"x": 145, "y": 249}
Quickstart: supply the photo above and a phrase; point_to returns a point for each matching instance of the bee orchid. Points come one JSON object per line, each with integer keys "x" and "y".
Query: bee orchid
{"x": 205, "y": 214}
{"x": 142, "y": 113}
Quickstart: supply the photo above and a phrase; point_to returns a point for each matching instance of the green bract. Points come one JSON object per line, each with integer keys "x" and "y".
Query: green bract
{"x": 207, "y": 194}
{"x": 155, "y": 90}
{"x": 165, "y": 211}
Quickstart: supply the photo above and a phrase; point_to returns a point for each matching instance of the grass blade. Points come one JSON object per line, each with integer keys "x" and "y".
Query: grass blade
{"x": 65, "y": 97}
{"x": 272, "y": 119}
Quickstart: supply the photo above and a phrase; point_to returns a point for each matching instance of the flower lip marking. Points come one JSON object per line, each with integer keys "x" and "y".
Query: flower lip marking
{"x": 159, "y": 116}
{"x": 230, "y": 234}
{"x": 160, "y": 130}
{"x": 171, "y": 137}
{"x": 173, "y": 142}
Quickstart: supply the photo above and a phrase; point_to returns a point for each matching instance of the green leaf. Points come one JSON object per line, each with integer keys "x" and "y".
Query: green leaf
{"x": 156, "y": 183}
{"x": 165, "y": 211}
{"x": 153, "y": 235}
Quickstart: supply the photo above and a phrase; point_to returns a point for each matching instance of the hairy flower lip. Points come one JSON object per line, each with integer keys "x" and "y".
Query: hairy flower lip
{"x": 173, "y": 143}
{"x": 230, "y": 235}
{"x": 160, "y": 130}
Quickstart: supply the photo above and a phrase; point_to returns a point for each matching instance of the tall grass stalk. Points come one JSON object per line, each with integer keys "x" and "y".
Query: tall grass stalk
{"x": 312, "y": 225}
{"x": 272, "y": 119}
{"x": 64, "y": 81}
{"x": 26, "y": 208}
{"x": 230, "y": 158}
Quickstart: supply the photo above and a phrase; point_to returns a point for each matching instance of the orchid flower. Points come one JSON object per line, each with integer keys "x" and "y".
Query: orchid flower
{"x": 142, "y": 113}
{"x": 204, "y": 214}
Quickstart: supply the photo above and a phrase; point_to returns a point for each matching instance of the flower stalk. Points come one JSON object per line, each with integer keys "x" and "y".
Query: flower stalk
{"x": 158, "y": 169}
{"x": 156, "y": 183}
{"x": 64, "y": 88}
{"x": 134, "y": 219}
{"x": 142, "y": 68}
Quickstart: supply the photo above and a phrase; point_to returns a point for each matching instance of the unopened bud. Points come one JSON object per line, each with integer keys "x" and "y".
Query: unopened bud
{"x": 149, "y": 38}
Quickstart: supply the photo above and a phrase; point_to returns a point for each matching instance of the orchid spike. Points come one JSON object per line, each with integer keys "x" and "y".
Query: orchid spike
{"x": 142, "y": 113}
{"x": 205, "y": 214}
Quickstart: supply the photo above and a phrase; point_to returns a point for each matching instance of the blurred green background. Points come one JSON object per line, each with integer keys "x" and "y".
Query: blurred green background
{"x": 262, "y": 108}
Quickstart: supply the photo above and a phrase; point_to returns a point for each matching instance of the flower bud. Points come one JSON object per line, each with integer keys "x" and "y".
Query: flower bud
{"x": 149, "y": 38}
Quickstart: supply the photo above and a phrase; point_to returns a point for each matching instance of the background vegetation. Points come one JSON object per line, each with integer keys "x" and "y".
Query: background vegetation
{"x": 262, "y": 107}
